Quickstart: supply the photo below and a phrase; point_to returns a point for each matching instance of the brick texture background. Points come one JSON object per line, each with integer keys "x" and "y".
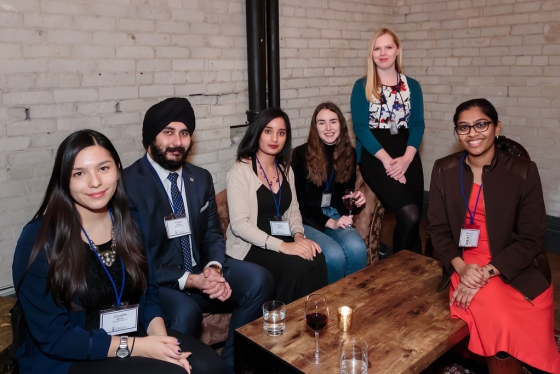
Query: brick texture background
{"x": 70, "y": 64}
{"x": 505, "y": 50}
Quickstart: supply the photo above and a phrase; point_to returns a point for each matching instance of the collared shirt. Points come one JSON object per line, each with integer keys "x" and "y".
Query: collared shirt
{"x": 163, "y": 174}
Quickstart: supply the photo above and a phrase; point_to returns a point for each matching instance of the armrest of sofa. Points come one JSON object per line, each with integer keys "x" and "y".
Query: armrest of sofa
{"x": 368, "y": 219}
{"x": 223, "y": 210}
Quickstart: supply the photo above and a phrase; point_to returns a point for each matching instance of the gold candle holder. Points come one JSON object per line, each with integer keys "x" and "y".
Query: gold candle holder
{"x": 344, "y": 318}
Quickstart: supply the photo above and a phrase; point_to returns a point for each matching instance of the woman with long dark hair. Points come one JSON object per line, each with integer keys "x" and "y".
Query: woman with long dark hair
{"x": 265, "y": 223}
{"x": 388, "y": 116}
{"x": 82, "y": 277}
{"x": 324, "y": 168}
{"x": 487, "y": 224}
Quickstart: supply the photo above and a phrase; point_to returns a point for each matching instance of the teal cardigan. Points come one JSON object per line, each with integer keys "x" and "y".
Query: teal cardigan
{"x": 359, "y": 107}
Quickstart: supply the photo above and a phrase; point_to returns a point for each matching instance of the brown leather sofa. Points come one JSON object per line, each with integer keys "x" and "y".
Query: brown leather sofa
{"x": 367, "y": 222}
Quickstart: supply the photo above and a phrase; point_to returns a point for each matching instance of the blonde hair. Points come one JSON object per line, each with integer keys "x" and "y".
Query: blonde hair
{"x": 373, "y": 84}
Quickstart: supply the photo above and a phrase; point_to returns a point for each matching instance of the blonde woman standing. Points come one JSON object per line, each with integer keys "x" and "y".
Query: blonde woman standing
{"x": 388, "y": 116}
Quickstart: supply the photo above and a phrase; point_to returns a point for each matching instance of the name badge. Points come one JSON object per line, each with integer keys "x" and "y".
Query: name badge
{"x": 326, "y": 199}
{"x": 469, "y": 238}
{"x": 281, "y": 228}
{"x": 177, "y": 225}
{"x": 119, "y": 320}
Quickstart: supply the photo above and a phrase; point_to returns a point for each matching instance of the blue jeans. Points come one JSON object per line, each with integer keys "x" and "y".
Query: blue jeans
{"x": 344, "y": 249}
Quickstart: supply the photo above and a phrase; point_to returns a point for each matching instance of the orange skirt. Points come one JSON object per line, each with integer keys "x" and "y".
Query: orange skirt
{"x": 499, "y": 317}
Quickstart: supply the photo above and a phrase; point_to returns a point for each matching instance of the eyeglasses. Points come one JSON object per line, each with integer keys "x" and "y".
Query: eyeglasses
{"x": 479, "y": 127}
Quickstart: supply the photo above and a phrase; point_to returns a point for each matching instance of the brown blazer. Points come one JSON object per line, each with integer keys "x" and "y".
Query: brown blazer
{"x": 515, "y": 218}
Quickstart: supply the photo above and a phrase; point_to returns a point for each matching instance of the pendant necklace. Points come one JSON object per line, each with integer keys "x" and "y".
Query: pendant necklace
{"x": 108, "y": 257}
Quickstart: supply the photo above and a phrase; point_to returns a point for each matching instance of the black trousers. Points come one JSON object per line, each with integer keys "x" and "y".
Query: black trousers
{"x": 203, "y": 361}
{"x": 251, "y": 286}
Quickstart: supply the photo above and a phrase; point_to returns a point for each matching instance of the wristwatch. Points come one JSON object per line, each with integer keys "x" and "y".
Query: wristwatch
{"x": 123, "y": 351}
{"x": 218, "y": 269}
{"x": 491, "y": 271}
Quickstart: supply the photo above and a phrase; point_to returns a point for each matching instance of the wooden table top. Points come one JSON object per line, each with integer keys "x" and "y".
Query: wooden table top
{"x": 397, "y": 311}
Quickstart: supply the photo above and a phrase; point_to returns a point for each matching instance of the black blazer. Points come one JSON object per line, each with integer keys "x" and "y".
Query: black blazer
{"x": 148, "y": 198}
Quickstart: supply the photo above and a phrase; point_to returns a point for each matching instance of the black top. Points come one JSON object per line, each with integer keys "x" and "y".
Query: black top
{"x": 101, "y": 294}
{"x": 310, "y": 195}
{"x": 267, "y": 209}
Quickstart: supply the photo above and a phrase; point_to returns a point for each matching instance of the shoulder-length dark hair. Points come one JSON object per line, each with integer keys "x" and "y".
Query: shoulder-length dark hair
{"x": 60, "y": 231}
{"x": 250, "y": 143}
{"x": 344, "y": 153}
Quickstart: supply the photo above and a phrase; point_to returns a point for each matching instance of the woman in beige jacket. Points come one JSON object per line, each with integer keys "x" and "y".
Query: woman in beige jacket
{"x": 265, "y": 223}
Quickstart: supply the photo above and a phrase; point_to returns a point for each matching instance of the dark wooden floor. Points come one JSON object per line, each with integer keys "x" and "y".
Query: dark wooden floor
{"x": 387, "y": 237}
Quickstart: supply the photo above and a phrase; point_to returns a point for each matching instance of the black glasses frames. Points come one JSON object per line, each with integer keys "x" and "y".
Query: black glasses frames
{"x": 479, "y": 127}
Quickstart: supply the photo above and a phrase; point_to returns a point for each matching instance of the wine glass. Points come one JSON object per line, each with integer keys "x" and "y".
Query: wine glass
{"x": 316, "y": 317}
{"x": 349, "y": 201}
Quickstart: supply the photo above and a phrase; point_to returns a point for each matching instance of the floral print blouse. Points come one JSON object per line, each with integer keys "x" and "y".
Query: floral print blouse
{"x": 394, "y": 107}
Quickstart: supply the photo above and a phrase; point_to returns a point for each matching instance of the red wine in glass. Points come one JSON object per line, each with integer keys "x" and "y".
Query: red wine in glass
{"x": 349, "y": 202}
{"x": 316, "y": 320}
{"x": 316, "y": 316}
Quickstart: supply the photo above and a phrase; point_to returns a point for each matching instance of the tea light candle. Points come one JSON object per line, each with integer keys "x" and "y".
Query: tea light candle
{"x": 344, "y": 318}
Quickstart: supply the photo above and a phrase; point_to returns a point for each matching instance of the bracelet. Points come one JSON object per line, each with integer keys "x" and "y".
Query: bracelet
{"x": 299, "y": 232}
{"x": 131, "y": 349}
{"x": 266, "y": 242}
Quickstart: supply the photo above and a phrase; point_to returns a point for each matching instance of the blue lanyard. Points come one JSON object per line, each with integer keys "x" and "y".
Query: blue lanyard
{"x": 328, "y": 184}
{"x": 91, "y": 245}
{"x": 471, "y": 214}
{"x": 276, "y": 203}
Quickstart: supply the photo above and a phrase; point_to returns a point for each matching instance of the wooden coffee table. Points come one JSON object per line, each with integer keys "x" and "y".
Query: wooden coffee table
{"x": 397, "y": 311}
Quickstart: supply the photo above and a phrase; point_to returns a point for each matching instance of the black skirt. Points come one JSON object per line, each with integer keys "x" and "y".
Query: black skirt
{"x": 393, "y": 194}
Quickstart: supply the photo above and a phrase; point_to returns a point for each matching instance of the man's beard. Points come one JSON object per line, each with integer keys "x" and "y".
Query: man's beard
{"x": 160, "y": 156}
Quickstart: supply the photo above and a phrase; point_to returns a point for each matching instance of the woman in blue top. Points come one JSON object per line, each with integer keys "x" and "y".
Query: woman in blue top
{"x": 388, "y": 116}
{"x": 80, "y": 256}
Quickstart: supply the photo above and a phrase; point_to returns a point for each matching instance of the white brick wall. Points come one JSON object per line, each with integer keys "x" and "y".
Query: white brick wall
{"x": 71, "y": 61}
{"x": 507, "y": 51}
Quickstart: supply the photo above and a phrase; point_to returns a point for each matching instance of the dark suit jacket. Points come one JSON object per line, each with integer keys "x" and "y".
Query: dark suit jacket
{"x": 148, "y": 198}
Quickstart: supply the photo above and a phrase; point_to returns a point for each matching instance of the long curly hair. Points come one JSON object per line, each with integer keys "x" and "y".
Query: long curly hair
{"x": 344, "y": 153}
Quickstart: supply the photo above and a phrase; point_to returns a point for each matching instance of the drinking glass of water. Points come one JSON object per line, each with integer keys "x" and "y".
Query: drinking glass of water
{"x": 274, "y": 318}
{"x": 353, "y": 356}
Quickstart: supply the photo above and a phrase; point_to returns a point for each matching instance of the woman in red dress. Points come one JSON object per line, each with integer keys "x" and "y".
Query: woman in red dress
{"x": 487, "y": 223}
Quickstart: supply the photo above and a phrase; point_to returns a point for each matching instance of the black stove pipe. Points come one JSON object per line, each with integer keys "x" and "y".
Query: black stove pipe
{"x": 273, "y": 49}
{"x": 256, "y": 58}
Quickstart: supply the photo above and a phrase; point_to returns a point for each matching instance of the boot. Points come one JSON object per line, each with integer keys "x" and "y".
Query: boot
{"x": 509, "y": 365}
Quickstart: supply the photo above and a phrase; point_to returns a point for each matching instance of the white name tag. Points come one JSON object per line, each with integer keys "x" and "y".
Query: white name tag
{"x": 281, "y": 228}
{"x": 119, "y": 320}
{"x": 326, "y": 200}
{"x": 177, "y": 225}
{"x": 469, "y": 238}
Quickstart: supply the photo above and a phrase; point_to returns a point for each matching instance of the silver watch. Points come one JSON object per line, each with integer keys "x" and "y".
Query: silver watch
{"x": 123, "y": 350}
